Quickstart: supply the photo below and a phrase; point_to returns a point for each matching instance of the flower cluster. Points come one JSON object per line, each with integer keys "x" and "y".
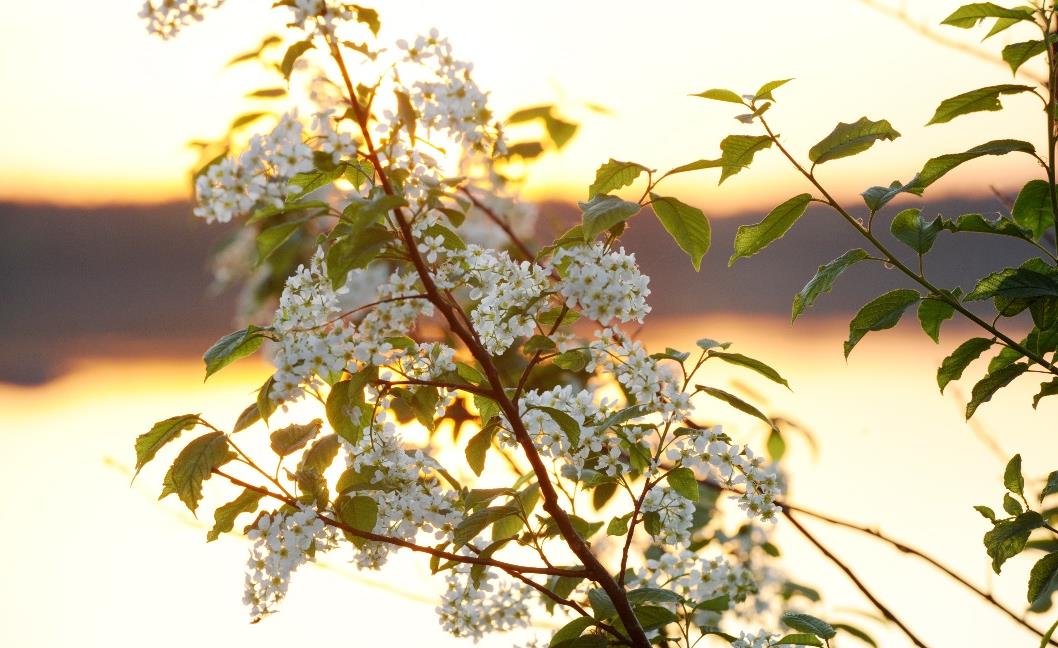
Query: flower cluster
{"x": 675, "y": 515}
{"x": 470, "y": 609}
{"x": 697, "y": 578}
{"x": 165, "y": 18}
{"x": 603, "y": 285}
{"x": 508, "y": 293}
{"x": 647, "y": 381}
{"x": 282, "y": 542}
{"x": 260, "y": 176}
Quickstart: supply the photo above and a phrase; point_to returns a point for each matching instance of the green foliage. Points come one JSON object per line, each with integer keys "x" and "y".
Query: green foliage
{"x": 955, "y": 364}
{"x": 1042, "y": 575}
{"x": 737, "y": 403}
{"x": 719, "y": 94}
{"x": 749, "y": 363}
{"x": 938, "y": 167}
{"x": 479, "y": 446}
{"x": 603, "y": 212}
{"x": 288, "y": 440}
{"x": 1032, "y": 208}
{"x": 683, "y": 481}
{"x": 359, "y": 512}
{"x": 737, "y": 151}
{"x": 808, "y": 623}
{"x": 851, "y": 139}
{"x": 292, "y": 55}
{"x": 969, "y": 15}
{"x": 1017, "y": 54}
{"x": 933, "y": 311}
{"x": 824, "y": 280}
{"x": 1008, "y": 537}
{"x": 194, "y": 465}
{"x": 161, "y": 433}
{"x": 751, "y": 239}
{"x": 1012, "y": 477}
{"x": 225, "y": 515}
{"x": 687, "y": 225}
{"x": 233, "y": 346}
{"x": 990, "y": 384}
{"x": 880, "y": 314}
{"x": 914, "y": 231}
{"x": 981, "y": 99}
{"x": 614, "y": 175}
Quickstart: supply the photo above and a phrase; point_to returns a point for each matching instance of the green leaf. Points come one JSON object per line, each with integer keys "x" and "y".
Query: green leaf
{"x": 856, "y": 632}
{"x": 824, "y": 280}
{"x": 850, "y": 139}
{"x": 1032, "y": 208}
{"x": 618, "y": 526}
{"x": 559, "y": 130}
{"x": 265, "y": 404}
{"x": 750, "y": 363}
{"x": 479, "y": 445}
{"x": 1013, "y": 480}
{"x": 969, "y": 15}
{"x": 776, "y": 445}
{"x": 267, "y": 93}
{"x": 980, "y": 224}
{"x": 981, "y": 99}
{"x": 1017, "y": 54}
{"x": 719, "y": 94}
{"x": 601, "y": 605}
{"x": 566, "y": 422}
{"x": 1047, "y": 389}
{"x": 408, "y": 117}
{"x": 1014, "y": 283}
{"x": 231, "y": 347}
{"x": 613, "y": 175}
{"x": 356, "y": 251}
{"x": 765, "y": 90}
{"x": 1001, "y": 25}
{"x": 292, "y": 438}
{"x": 194, "y": 465}
{"x": 1042, "y": 573}
{"x": 1051, "y": 487}
{"x": 911, "y": 229}
{"x": 652, "y": 617}
{"x": 603, "y": 212}
{"x": 990, "y": 384}
{"x": 697, "y": 165}
{"x": 224, "y": 517}
{"x": 292, "y": 55}
{"x": 799, "y": 640}
{"x": 643, "y": 595}
{"x": 270, "y": 238}
{"x": 571, "y": 630}
{"x": 986, "y": 513}
{"x": 955, "y": 364}
{"x": 359, "y": 512}
{"x": 687, "y": 225}
{"x": 321, "y": 454}
{"x": 936, "y": 168}
{"x": 346, "y": 407}
{"x": 877, "y": 197}
{"x": 717, "y": 604}
{"x": 751, "y": 239}
{"x": 808, "y": 623}
{"x": 879, "y": 314}
{"x": 161, "y": 433}
{"x": 246, "y": 120}
{"x": 932, "y": 312}
{"x": 479, "y": 520}
{"x": 682, "y": 481}
{"x": 248, "y": 417}
{"x": 1008, "y": 537}
{"x": 538, "y": 344}
{"x": 1011, "y": 505}
{"x": 736, "y": 402}
{"x": 737, "y": 151}
{"x": 573, "y": 360}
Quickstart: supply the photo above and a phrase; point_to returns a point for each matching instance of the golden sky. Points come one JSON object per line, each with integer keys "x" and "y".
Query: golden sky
{"x": 95, "y": 111}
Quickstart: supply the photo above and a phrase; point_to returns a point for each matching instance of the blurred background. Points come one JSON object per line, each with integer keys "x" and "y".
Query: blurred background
{"x": 106, "y": 303}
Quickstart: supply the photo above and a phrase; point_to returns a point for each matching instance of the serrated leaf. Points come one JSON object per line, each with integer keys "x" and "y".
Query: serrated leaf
{"x": 808, "y": 623}
{"x": 765, "y": 90}
{"x": 292, "y": 55}
{"x": 992, "y": 383}
{"x": 1051, "y": 487}
{"x": 737, "y": 151}
{"x": 194, "y": 465}
{"x": 161, "y": 433}
{"x": 824, "y": 280}
{"x": 1032, "y": 208}
{"x": 955, "y": 364}
{"x": 618, "y": 526}
{"x": 224, "y": 517}
{"x": 652, "y": 617}
{"x": 697, "y": 165}
{"x": 614, "y": 175}
{"x": 1013, "y": 480}
{"x": 359, "y": 512}
{"x": 231, "y": 347}
{"x": 356, "y": 251}
{"x": 601, "y": 605}
{"x": 936, "y": 168}
{"x": 720, "y": 94}
{"x": 932, "y": 312}
{"x": 687, "y": 225}
{"x": 573, "y": 360}
{"x": 969, "y": 15}
{"x": 1008, "y": 537}
{"x": 603, "y": 212}
{"x": 1049, "y": 388}
{"x": 1011, "y": 505}
{"x": 736, "y": 402}
{"x": 479, "y": 445}
{"x": 879, "y": 314}
{"x": 479, "y": 520}
{"x": 292, "y": 438}
{"x": 912, "y": 230}
{"x": 320, "y": 454}
{"x": 981, "y": 99}
{"x": 1014, "y": 283}
{"x": 850, "y": 139}
{"x": 750, "y": 363}
{"x": 980, "y": 224}
{"x": 877, "y": 197}
{"x": 1042, "y": 573}
{"x": 269, "y": 239}
{"x": 682, "y": 481}
{"x": 751, "y": 239}
{"x": 1017, "y": 54}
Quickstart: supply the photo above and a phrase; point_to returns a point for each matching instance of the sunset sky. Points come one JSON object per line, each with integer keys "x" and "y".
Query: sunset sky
{"x": 96, "y": 111}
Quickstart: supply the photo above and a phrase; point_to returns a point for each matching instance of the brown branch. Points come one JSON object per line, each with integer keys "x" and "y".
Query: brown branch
{"x": 886, "y": 612}
{"x": 596, "y": 570}
{"x": 495, "y": 218}
{"x": 376, "y": 537}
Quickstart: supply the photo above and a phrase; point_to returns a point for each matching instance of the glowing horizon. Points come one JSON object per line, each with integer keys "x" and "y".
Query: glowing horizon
{"x": 107, "y": 120}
